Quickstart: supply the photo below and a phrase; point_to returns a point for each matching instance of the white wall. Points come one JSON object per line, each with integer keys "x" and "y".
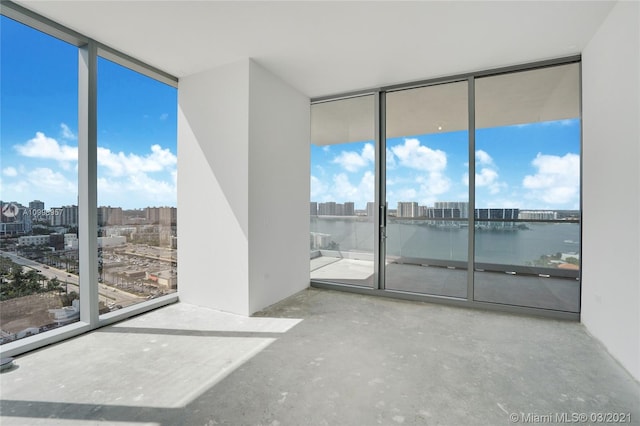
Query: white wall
{"x": 279, "y": 149}
{"x": 213, "y": 188}
{"x": 243, "y": 189}
{"x": 611, "y": 185}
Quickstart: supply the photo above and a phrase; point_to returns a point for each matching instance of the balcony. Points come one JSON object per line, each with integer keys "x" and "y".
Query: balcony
{"x": 530, "y": 264}
{"x": 320, "y": 357}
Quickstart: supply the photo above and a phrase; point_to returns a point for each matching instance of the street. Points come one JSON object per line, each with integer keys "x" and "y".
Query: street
{"x": 109, "y": 295}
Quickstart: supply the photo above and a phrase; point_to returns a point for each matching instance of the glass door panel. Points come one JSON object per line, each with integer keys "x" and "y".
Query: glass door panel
{"x": 342, "y": 213}
{"x": 427, "y": 169}
{"x": 527, "y": 189}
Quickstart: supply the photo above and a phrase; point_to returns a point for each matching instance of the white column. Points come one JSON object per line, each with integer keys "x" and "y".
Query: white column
{"x": 243, "y": 188}
{"x": 279, "y": 129}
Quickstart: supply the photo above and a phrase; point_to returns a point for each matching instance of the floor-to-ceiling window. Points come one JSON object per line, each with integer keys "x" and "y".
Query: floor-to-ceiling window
{"x": 39, "y": 194}
{"x": 478, "y": 185}
{"x": 527, "y": 188}
{"x": 342, "y": 210}
{"x": 137, "y": 159}
{"x": 88, "y": 189}
{"x": 427, "y": 199}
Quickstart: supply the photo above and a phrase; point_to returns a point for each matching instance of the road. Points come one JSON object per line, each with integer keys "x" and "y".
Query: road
{"x": 107, "y": 294}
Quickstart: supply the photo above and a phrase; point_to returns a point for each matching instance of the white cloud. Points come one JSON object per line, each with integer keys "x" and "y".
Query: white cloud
{"x": 557, "y": 180}
{"x": 121, "y": 164}
{"x": 142, "y": 189}
{"x": 45, "y": 147}
{"x": 360, "y": 193}
{"x": 353, "y": 161}
{"x": 66, "y": 132}
{"x": 123, "y": 177}
{"x": 425, "y": 187}
{"x": 318, "y": 188}
{"x": 341, "y": 189}
{"x": 483, "y": 158}
{"x": 435, "y": 183}
{"x": 126, "y": 177}
{"x": 487, "y": 176}
{"x": 46, "y": 181}
{"x": 413, "y": 155}
{"x": 174, "y": 177}
{"x": 14, "y": 190}
{"x": 369, "y": 152}
{"x": 391, "y": 160}
{"x": 164, "y": 116}
{"x": 153, "y": 189}
{"x": 10, "y": 171}
{"x": 406, "y": 194}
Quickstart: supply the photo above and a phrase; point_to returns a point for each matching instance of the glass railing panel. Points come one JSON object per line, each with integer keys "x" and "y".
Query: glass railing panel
{"x": 533, "y": 264}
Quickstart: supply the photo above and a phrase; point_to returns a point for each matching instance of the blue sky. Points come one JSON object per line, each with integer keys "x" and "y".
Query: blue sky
{"x": 137, "y": 127}
{"x": 531, "y": 166}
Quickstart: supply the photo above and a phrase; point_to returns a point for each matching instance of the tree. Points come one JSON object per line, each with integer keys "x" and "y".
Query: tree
{"x": 67, "y": 299}
{"x": 54, "y": 284}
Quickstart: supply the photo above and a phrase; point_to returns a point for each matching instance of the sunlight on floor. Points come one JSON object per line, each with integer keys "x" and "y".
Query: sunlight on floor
{"x": 163, "y": 359}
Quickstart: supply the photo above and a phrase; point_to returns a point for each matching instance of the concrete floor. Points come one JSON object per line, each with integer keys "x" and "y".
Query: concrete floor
{"x": 559, "y": 294}
{"x": 319, "y": 358}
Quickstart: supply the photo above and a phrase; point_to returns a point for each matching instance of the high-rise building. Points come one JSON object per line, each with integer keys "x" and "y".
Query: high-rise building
{"x": 167, "y": 216}
{"x": 36, "y": 211}
{"x": 442, "y": 213}
{"x": 463, "y": 206}
{"x": 496, "y": 218}
{"x": 313, "y": 208}
{"x": 70, "y": 215}
{"x": 538, "y": 215}
{"x": 371, "y": 209}
{"x": 152, "y": 214}
{"x": 63, "y": 216}
{"x": 55, "y": 216}
{"x": 110, "y": 216}
{"x": 327, "y": 209}
{"x": 349, "y": 209}
{"x": 494, "y": 213}
{"x": 407, "y": 209}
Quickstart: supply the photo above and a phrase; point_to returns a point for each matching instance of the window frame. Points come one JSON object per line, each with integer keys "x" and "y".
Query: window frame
{"x": 88, "y": 52}
{"x": 469, "y": 302}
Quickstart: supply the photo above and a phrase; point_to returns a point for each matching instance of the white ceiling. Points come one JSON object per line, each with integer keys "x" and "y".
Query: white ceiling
{"x": 327, "y": 47}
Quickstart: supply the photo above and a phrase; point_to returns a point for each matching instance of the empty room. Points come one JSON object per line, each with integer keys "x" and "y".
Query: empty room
{"x": 319, "y": 212}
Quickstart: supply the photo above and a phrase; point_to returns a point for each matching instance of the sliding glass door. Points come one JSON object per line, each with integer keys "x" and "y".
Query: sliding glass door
{"x": 466, "y": 189}
{"x": 342, "y": 216}
{"x": 427, "y": 167}
{"x": 527, "y": 189}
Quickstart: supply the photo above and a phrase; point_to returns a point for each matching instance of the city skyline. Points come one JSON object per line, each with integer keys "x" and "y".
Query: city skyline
{"x": 137, "y": 126}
